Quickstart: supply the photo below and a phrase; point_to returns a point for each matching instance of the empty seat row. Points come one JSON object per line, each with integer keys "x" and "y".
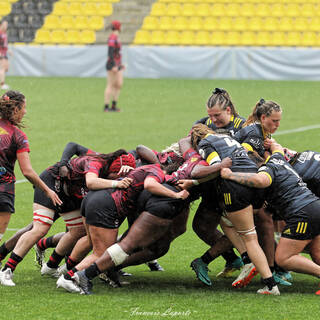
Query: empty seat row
{"x": 233, "y": 38}
{"x": 228, "y": 23}
{"x": 65, "y": 37}
{"x": 86, "y": 8}
{"x": 235, "y": 9}
{"x": 235, "y": 1}
{"x": 70, "y": 22}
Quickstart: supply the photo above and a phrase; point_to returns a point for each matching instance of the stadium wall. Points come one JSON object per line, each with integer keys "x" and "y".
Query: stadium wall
{"x": 170, "y": 62}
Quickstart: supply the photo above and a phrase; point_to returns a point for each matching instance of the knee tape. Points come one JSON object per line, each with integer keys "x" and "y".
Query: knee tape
{"x": 117, "y": 254}
{"x": 227, "y": 222}
{"x": 248, "y": 232}
{"x": 44, "y": 216}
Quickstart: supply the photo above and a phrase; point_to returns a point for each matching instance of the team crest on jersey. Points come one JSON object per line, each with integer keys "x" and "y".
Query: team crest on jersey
{"x": 3, "y": 131}
{"x": 193, "y": 159}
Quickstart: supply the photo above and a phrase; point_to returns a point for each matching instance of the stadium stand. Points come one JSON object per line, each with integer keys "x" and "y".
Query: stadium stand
{"x": 232, "y": 23}
{"x": 55, "y": 21}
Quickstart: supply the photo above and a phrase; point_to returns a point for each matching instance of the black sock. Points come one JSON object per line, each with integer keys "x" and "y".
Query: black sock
{"x": 12, "y": 262}
{"x": 70, "y": 273}
{"x": 278, "y": 268}
{"x": 206, "y": 258}
{"x": 3, "y": 251}
{"x": 106, "y": 106}
{"x": 245, "y": 258}
{"x": 114, "y": 104}
{"x": 54, "y": 260}
{"x": 46, "y": 243}
{"x": 270, "y": 282}
{"x": 71, "y": 263}
{"x": 92, "y": 271}
{"x": 271, "y": 269}
{"x": 229, "y": 256}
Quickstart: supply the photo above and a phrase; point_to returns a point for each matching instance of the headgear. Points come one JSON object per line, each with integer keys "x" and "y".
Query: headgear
{"x": 124, "y": 160}
{"x": 116, "y": 25}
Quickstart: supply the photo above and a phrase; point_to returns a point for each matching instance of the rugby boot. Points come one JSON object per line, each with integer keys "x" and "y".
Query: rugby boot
{"x": 201, "y": 270}
{"x": 247, "y": 273}
{"x": 230, "y": 268}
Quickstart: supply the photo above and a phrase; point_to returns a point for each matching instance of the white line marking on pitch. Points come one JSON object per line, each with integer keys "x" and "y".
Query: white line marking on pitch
{"x": 301, "y": 129}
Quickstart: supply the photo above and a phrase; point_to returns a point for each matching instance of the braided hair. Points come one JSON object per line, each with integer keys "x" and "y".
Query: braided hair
{"x": 221, "y": 98}
{"x": 198, "y": 132}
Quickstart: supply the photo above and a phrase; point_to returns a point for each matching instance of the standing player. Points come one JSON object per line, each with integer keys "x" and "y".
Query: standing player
{"x": 4, "y": 63}
{"x": 114, "y": 69}
{"x": 14, "y": 146}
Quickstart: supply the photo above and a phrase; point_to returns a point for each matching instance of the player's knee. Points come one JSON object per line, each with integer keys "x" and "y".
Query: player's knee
{"x": 117, "y": 255}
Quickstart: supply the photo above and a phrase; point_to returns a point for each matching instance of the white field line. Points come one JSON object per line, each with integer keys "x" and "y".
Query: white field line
{"x": 301, "y": 129}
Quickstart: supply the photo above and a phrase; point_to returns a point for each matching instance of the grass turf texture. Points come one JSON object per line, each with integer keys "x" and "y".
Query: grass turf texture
{"x": 155, "y": 113}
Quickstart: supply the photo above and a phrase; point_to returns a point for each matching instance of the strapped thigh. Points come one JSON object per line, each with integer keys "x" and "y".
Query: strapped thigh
{"x": 247, "y": 232}
{"x": 44, "y": 216}
{"x": 73, "y": 219}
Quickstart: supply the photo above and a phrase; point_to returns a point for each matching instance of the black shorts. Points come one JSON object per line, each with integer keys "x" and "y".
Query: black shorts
{"x": 100, "y": 210}
{"x": 69, "y": 203}
{"x": 234, "y": 196}
{"x": 6, "y": 202}
{"x": 305, "y": 224}
{"x": 162, "y": 207}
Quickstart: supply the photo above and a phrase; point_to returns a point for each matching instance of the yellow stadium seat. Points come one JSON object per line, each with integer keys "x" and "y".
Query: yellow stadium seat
{"x": 72, "y": 37}
{"x": 225, "y": 24}
{"x": 188, "y": 9}
{"x": 66, "y": 22}
{"x": 293, "y": 39}
{"x": 277, "y": 10}
{"x": 96, "y": 23}
{"x": 307, "y": 9}
{"x": 309, "y": 39}
{"x": 142, "y": 37}
{"x": 301, "y": 24}
{"x": 263, "y": 38}
{"x": 174, "y": 9}
{"x": 263, "y": 10}
{"x": 247, "y": 10}
{"x": 172, "y": 38}
{"x": 217, "y": 10}
{"x": 292, "y": 10}
{"x": 81, "y": 22}
{"x": 248, "y": 38}
{"x": 217, "y": 38}
{"x": 75, "y": 9}
{"x": 90, "y": 8}
{"x": 51, "y": 22}
{"x": 314, "y": 24}
{"x": 285, "y": 24}
{"x": 187, "y": 38}
{"x": 232, "y": 9}
{"x": 5, "y": 8}
{"x": 42, "y": 36}
{"x": 203, "y": 10}
{"x": 254, "y": 24}
{"x": 157, "y": 37}
{"x": 202, "y": 38}
{"x": 60, "y": 8}
{"x": 58, "y": 37}
{"x": 270, "y": 24}
{"x": 232, "y": 38}
{"x": 210, "y": 23}
{"x": 105, "y": 9}
{"x": 87, "y": 37}
{"x": 277, "y": 38}
{"x": 150, "y": 23}
{"x": 158, "y": 9}
{"x": 240, "y": 24}
{"x": 180, "y": 23}
{"x": 165, "y": 23}
{"x": 195, "y": 23}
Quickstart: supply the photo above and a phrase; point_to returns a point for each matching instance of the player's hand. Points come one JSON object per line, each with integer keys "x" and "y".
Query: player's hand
{"x": 124, "y": 183}
{"x": 225, "y": 173}
{"x": 226, "y": 163}
{"x": 54, "y": 197}
{"x": 124, "y": 171}
{"x": 185, "y": 184}
{"x": 184, "y": 194}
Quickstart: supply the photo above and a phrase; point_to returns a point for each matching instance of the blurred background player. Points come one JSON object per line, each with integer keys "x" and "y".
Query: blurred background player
{"x": 114, "y": 69}
{"x": 4, "y": 63}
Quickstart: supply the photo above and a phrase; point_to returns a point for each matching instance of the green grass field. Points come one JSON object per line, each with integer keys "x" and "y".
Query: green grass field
{"x": 155, "y": 113}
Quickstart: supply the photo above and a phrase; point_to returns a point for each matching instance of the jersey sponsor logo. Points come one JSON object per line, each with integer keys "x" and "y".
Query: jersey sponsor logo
{"x": 227, "y": 198}
{"x": 305, "y": 156}
{"x": 3, "y": 131}
{"x": 302, "y": 227}
{"x": 287, "y": 231}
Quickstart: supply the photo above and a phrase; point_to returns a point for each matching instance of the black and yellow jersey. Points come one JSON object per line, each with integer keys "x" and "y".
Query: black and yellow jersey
{"x": 288, "y": 194}
{"x": 307, "y": 165}
{"x": 213, "y": 148}
{"x": 252, "y": 138}
{"x": 231, "y": 128}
